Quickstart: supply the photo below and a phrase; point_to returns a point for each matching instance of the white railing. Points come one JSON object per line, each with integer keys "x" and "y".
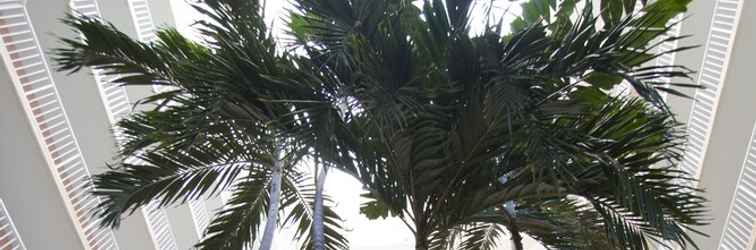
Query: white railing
{"x": 87, "y": 8}
{"x": 669, "y": 58}
{"x": 39, "y": 96}
{"x": 160, "y": 229}
{"x": 201, "y": 216}
{"x": 10, "y": 239}
{"x": 113, "y": 96}
{"x": 712, "y": 77}
{"x": 117, "y": 105}
{"x": 142, "y": 17}
{"x": 145, "y": 29}
{"x": 739, "y": 225}
{"x": 145, "y": 26}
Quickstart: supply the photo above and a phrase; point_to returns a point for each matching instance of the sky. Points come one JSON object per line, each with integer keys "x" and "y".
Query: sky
{"x": 363, "y": 234}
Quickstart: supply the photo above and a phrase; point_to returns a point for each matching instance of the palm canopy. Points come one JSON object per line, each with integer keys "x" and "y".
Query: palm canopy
{"x": 453, "y": 125}
{"x": 443, "y": 127}
{"x": 235, "y": 107}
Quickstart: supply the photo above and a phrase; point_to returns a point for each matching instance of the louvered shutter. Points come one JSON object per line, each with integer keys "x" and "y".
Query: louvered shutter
{"x": 160, "y": 229}
{"x": 711, "y": 77}
{"x": 201, "y": 216}
{"x": 142, "y": 17}
{"x": 9, "y": 237}
{"x": 739, "y": 225}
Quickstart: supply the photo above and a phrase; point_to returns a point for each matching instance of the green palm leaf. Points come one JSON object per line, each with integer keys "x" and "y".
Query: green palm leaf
{"x": 236, "y": 225}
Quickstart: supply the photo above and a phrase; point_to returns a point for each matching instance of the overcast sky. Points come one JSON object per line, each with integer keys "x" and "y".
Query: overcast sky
{"x": 364, "y": 234}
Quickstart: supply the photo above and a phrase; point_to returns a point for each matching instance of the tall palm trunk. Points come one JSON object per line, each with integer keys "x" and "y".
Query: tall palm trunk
{"x": 273, "y": 204}
{"x": 516, "y": 241}
{"x": 421, "y": 244}
{"x": 514, "y": 230}
{"x": 317, "y": 220}
{"x": 421, "y": 236}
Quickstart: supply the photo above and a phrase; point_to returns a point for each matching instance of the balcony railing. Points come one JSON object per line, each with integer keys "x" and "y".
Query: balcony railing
{"x": 117, "y": 105}
{"x": 39, "y": 96}
{"x": 712, "y": 78}
{"x": 10, "y": 239}
{"x": 740, "y": 223}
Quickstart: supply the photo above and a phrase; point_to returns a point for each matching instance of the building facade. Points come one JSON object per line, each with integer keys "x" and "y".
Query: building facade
{"x": 57, "y": 133}
{"x": 720, "y": 118}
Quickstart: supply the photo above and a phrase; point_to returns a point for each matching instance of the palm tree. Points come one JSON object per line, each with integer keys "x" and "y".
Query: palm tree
{"x": 468, "y": 137}
{"x": 239, "y": 115}
{"x": 465, "y": 137}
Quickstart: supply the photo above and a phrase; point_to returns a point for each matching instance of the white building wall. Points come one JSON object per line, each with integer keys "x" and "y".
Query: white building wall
{"x": 732, "y": 128}
{"x": 9, "y": 237}
{"x": 720, "y": 119}
{"x": 34, "y": 83}
{"x": 44, "y": 221}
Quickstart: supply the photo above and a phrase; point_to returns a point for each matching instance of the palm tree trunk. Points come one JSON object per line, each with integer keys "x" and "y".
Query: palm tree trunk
{"x": 273, "y": 203}
{"x": 317, "y": 220}
{"x": 513, "y": 229}
{"x": 421, "y": 238}
{"x": 517, "y": 241}
{"x": 421, "y": 244}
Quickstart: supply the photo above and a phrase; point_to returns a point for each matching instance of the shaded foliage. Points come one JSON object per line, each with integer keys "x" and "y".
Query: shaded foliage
{"x": 468, "y": 138}
{"x": 447, "y": 114}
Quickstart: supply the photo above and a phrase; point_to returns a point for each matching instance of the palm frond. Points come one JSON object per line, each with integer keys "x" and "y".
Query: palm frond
{"x": 167, "y": 177}
{"x": 625, "y": 167}
{"x": 236, "y": 226}
{"x": 102, "y": 46}
{"x": 484, "y": 236}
